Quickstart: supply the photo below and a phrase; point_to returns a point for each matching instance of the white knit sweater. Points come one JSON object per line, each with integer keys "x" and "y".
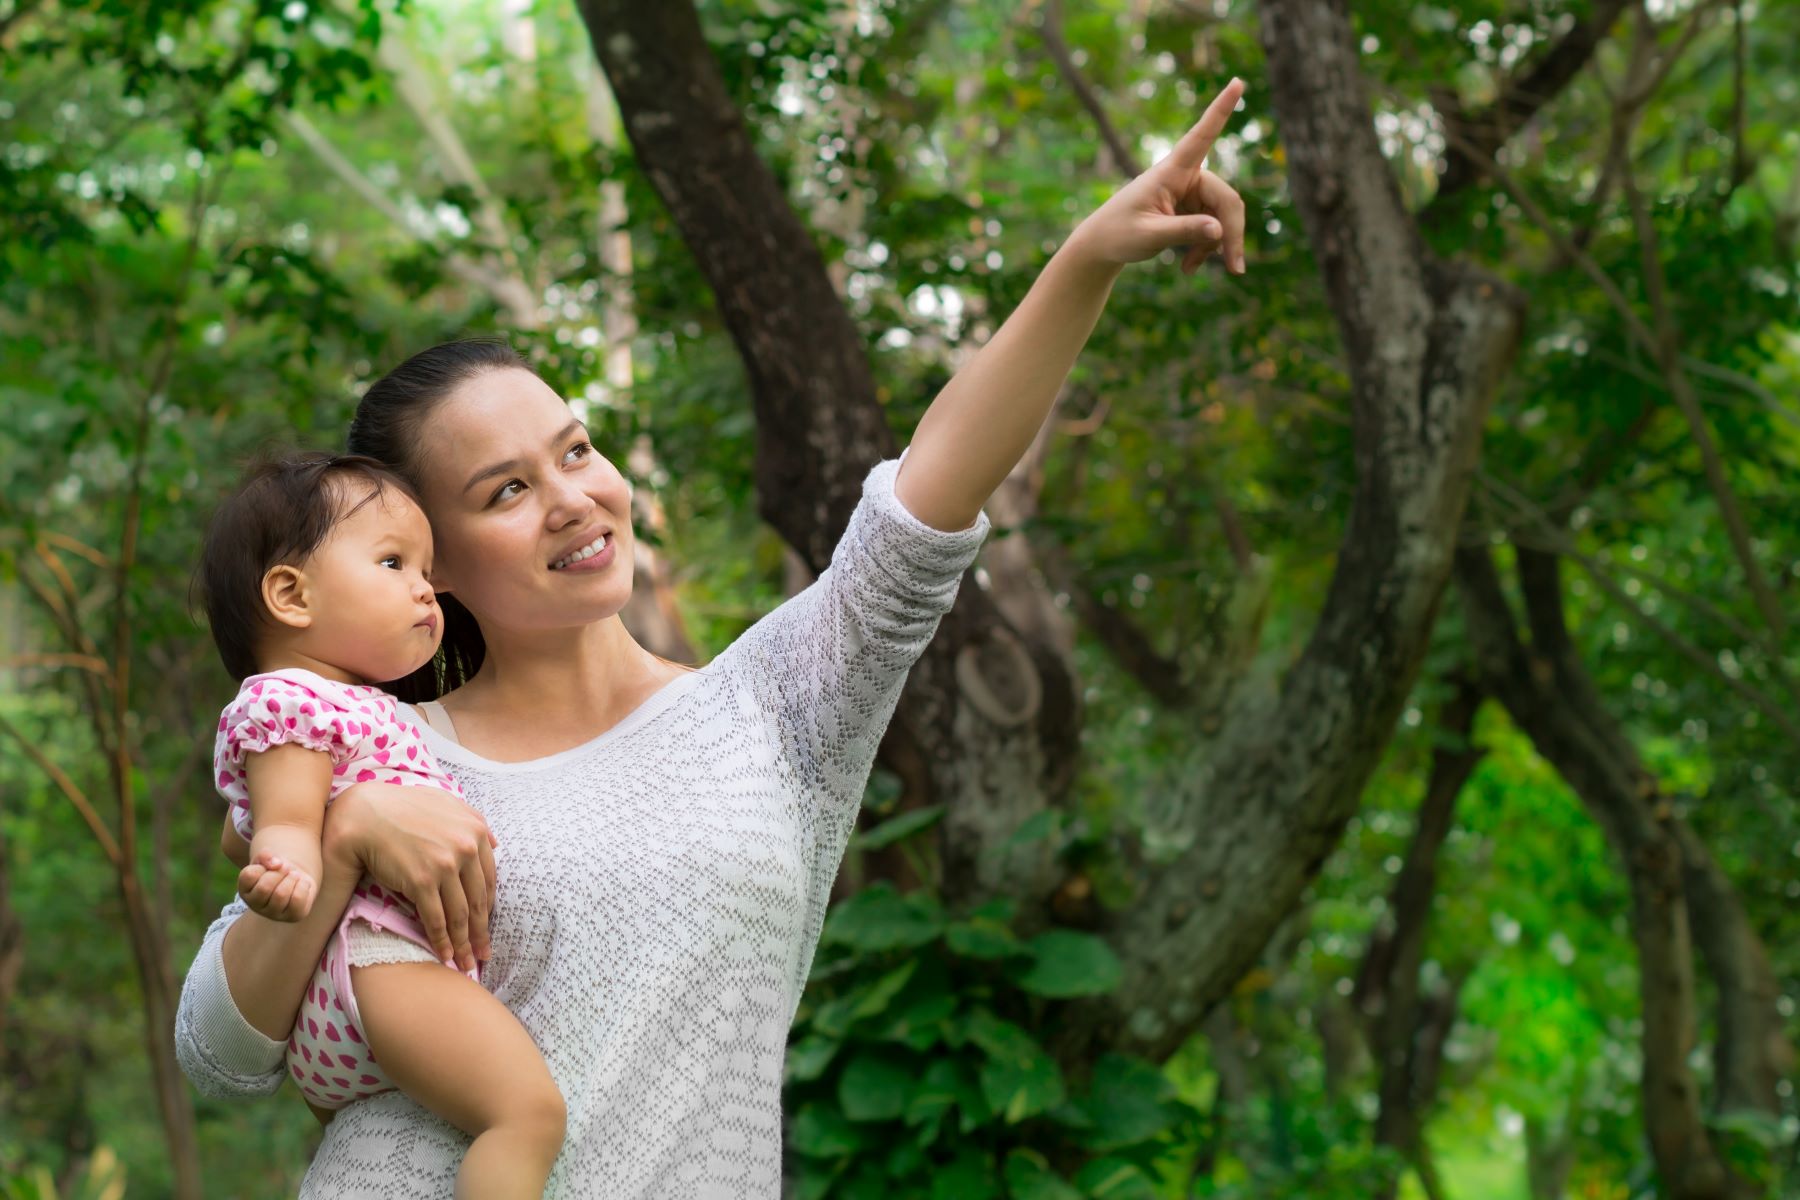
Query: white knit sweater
{"x": 661, "y": 893}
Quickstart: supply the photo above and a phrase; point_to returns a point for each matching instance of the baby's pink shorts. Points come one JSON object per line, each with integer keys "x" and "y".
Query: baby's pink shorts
{"x": 327, "y": 1054}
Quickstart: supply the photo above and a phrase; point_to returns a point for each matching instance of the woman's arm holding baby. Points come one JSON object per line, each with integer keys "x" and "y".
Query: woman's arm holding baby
{"x": 233, "y": 846}
{"x": 984, "y": 420}
{"x": 267, "y": 964}
{"x": 245, "y": 986}
{"x": 423, "y": 843}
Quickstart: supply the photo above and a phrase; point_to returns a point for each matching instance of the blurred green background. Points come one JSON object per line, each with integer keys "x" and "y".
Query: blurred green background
{"x": 222, "y": 218}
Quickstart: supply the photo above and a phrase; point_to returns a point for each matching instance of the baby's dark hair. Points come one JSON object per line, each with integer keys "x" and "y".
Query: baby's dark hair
{"x": 283, "y": 511}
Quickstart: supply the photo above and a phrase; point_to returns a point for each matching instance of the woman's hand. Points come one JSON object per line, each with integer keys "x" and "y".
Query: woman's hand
{"x": 431, "y": 848}
{"x": 1176, "y": 203}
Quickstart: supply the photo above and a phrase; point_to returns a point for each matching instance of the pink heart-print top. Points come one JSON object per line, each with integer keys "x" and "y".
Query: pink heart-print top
{"x": 359, "y": 726}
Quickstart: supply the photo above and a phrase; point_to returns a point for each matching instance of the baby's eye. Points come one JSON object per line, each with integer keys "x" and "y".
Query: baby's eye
{"x": 393, "y": 559}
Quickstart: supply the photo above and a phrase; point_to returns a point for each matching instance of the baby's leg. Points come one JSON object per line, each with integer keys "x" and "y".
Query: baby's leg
{"x": 448, "y": 1043}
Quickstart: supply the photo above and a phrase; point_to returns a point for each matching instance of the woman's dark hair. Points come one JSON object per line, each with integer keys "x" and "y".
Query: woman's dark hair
{"x": 386, "y": 427}
{"x": 283, "y": 511}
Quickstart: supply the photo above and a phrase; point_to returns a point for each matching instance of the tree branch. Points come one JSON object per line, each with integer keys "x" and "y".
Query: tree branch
{"x": 68, "y": 788}
{"x": 1522, "y": 97}
{"x": 1662, "y": 346}
{"x": 512, "y": 294}
{"x": 1557, "y": 543}
{"x": 1667, "y": 350}
{"x": 1051, "y": 31}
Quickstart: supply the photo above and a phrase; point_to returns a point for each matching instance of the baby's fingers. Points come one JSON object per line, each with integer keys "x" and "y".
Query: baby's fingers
{"x": 254, "y": 876}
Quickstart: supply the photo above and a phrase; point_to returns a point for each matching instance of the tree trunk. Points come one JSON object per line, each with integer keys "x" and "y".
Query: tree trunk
{"x": 150, "y": 950}
{"x": 1551, "y": 697}
{"x": 12, "y": 945}
{"x": 1752, "y": 1054}
{"x": 1407, "y": 1030}
{"x": 1267, "y": 800}
{"x": 1549, "y": 1156}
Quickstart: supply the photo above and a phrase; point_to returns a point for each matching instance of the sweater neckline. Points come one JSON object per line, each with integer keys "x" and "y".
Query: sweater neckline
{"x": 450, "y": 752}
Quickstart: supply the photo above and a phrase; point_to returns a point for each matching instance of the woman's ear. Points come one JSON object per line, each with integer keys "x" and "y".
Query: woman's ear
{"x": 285, "y": 595}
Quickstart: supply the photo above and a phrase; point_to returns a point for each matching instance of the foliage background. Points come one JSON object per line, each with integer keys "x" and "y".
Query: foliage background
{"x": 183, "y": 278}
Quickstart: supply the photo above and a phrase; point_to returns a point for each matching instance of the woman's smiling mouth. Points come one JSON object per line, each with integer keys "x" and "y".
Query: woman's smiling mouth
{"x": 594, "y": 549}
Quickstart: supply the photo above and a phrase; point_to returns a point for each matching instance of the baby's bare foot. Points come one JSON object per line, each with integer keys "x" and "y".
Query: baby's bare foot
{"x": 280, "y": 891}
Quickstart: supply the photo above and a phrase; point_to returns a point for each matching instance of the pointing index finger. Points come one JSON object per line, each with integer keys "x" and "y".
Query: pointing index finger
{"x": 1192, "y": 149}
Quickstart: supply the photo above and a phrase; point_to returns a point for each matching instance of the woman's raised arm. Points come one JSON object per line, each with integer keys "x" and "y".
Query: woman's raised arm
{"x": 985, "y": 418}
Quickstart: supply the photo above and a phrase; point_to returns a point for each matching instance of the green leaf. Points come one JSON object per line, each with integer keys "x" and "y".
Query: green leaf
{"x": 1019, "y": 1079}
{"x": 898, "y": 828}
{"x": 919, "y": 1026}
{"x": 881, "y": 993}
{"x": 1029, "y": 1177}
{"x": 1115, "y": 1179}
{"x": 875, "y": 1087}
{"x": 906, "y": 1159}
{"x": 879, "y": 918}
{"x": 820, "y": 1131}
{"x": 813, "y": 1181}
{"x": 937, "y": 1091}
{"x": 1128, "y": 1102}
{"x": 808, "y": 1057}
{"x": 983, "y": 939}
{"x": 869, "y": 1182}
{"x": 1067, "y": 963}
{"x": 969, "y": 1176}
{"x": 834, "y": 1017}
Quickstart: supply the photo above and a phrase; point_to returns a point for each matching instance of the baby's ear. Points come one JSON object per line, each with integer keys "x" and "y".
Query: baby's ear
{"x": 285, "y": 595}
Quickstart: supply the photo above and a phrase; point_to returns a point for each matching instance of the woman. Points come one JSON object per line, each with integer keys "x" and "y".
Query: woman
{"x": 664, "y": 839}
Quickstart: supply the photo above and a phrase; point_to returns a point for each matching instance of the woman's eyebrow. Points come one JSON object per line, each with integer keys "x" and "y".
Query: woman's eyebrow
{"x": 512, "y": 464}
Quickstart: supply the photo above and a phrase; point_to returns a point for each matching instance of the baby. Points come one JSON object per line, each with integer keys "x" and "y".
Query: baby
{"x": 315, "y": 575}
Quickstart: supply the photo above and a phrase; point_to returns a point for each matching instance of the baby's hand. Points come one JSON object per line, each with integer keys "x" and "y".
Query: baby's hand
{"x": 280, "y": 891}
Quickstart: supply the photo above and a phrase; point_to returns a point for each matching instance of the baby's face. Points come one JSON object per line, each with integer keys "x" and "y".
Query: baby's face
{"x": 374, "y": 612}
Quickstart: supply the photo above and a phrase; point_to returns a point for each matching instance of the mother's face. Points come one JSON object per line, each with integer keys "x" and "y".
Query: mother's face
{"x": 514, "y": 490}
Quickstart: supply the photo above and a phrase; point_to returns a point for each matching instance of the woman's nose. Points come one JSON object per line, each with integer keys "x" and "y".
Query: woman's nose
{"x": 568, "y": 502}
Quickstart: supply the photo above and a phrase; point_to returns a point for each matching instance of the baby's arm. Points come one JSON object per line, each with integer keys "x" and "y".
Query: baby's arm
{"x": 232, "y": 844}
{"x": 289, "y": 785}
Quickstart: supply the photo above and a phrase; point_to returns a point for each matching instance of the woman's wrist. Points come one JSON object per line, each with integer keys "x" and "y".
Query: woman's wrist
{"x": 1086, "y": 255}
{"x": 344, "y": 835}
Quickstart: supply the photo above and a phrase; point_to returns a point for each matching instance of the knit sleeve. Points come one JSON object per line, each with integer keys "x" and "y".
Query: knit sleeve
{"x": 222, "y": 1054}
{"x": 830, "y": 662}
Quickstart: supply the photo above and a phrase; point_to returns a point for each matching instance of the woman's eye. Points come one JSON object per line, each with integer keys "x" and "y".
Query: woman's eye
{"x": 580, "y": 448}
{"x": 502, "y": 493}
